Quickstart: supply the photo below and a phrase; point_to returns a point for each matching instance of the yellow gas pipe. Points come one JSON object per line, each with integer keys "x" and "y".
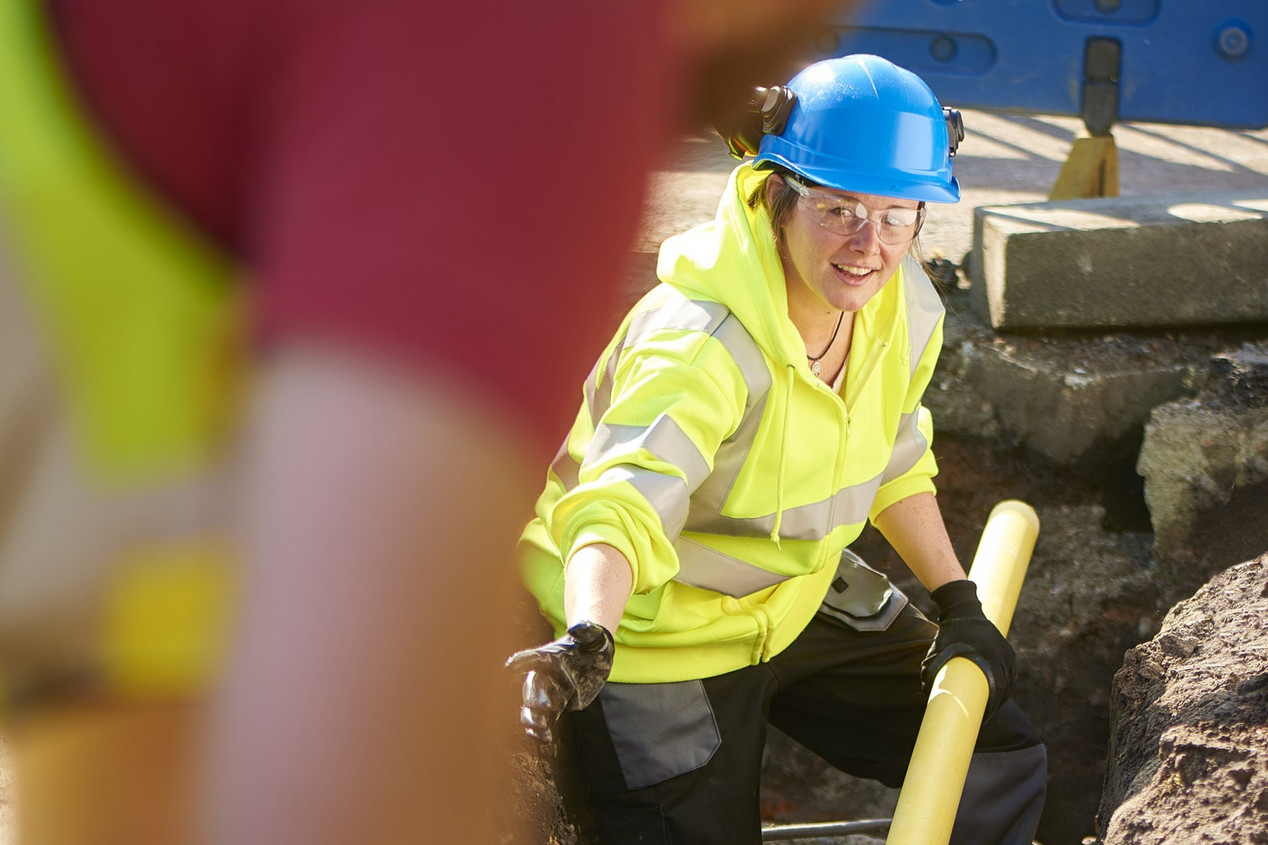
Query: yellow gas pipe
{"x": 935, "y": 777}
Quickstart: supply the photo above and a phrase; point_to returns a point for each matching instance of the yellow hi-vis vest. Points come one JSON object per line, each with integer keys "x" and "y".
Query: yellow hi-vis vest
{"x": 137, "y": 313}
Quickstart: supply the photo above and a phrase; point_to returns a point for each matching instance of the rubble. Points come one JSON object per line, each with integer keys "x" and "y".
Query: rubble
{"x": 1201, "y": 453}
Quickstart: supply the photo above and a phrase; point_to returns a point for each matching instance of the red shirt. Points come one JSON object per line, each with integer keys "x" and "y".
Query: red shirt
{"x": 455, "y": 185}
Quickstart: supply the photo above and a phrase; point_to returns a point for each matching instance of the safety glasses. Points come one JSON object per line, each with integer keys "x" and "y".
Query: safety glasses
{"x": 845, "y": 215}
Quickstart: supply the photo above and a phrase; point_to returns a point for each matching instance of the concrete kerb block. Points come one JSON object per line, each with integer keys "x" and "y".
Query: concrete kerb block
{"x": 1158, "y": 260}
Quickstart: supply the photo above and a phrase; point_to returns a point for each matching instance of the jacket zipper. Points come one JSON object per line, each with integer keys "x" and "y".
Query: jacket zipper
{"x": 868, "y": 366}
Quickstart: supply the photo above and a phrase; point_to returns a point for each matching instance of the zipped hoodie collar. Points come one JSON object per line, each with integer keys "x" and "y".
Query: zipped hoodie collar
{"x": 734, "y": 260}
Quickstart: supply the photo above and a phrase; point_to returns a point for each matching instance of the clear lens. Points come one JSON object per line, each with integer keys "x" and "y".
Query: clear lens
{"x": 846, "y": 215}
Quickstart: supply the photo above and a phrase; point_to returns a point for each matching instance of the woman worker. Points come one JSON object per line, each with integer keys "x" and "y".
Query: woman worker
{"x": 751, "y": 413}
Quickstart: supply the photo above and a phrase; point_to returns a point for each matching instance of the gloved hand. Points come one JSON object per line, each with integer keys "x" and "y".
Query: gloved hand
{"x": 566, "y": 674}
{"x": 964, "y": 631}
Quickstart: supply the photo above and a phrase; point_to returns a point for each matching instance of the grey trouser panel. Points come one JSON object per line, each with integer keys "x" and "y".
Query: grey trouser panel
{"x": 1003, "y": 797}
{"x": 671, "y": 730}
{"x": 681, "y": 763}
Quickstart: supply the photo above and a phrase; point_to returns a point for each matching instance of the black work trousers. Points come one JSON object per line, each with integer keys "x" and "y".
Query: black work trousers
{"x": 680, "y": 762}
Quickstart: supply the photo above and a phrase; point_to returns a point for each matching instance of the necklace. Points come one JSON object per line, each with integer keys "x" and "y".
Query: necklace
{"x": 814, "y": 362}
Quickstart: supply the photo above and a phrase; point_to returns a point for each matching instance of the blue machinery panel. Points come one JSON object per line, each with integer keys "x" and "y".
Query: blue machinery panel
{"x": 1202, "y": 62}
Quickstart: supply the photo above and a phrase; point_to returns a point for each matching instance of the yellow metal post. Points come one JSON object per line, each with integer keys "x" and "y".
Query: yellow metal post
{"x": 1091, "y": 169}
{"x": 940, "y": 761}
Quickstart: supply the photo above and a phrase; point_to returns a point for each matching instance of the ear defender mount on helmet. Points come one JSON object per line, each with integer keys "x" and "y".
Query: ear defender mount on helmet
{"x": 765, "y": 114}
{"x": 955, "y": 128}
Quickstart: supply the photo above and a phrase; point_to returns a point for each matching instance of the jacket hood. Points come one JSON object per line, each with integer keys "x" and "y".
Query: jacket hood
{"x": 734, "y": 260}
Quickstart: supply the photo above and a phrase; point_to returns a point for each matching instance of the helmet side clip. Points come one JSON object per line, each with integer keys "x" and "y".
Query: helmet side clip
{"x": 766, "y": 113}
{"x": 955, "y": 128}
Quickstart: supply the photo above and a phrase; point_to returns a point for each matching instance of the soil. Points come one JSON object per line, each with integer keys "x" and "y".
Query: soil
{"x": 1189, "y": 752}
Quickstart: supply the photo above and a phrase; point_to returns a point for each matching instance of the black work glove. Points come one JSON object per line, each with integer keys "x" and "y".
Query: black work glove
{"x": 566, "y": 674}
{"x": 964, "y": 631}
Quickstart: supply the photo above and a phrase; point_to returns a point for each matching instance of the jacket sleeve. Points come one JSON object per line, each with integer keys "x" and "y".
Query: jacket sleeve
{"x": 654, "y": 417}
{"x": 912, "y": 465}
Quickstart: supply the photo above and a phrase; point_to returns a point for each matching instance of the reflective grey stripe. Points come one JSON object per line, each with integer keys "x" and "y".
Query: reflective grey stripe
{"x": 733, "y": 452}
{"x": 685, "y": 315}
{"x": 849, "y": 506}
{"x": 664, "y": 438}
{"x": 565, "y": 467}
{"x": 701, "y": 566}
{"x": 909, "y": 446}
{"x": 667, "y": 494}
{"x": 924, "y": 309}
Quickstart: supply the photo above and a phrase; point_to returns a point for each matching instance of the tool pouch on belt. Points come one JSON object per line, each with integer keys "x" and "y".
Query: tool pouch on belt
{"x": 861, "y": 597}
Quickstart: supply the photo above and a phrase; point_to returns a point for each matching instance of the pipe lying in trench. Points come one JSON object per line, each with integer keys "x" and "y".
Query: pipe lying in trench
{"x": 940, "y": 761}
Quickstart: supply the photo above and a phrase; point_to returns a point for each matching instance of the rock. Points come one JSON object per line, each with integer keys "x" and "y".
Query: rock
{"x": 1205, "y": 466}
{"x": 1079, "y": 401}
{"x": 1194, "y": 459}
{"x": 1189, "y": 736}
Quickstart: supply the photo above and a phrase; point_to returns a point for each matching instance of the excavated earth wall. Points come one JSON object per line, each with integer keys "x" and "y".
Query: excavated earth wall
{"x": 1188, "y": 758}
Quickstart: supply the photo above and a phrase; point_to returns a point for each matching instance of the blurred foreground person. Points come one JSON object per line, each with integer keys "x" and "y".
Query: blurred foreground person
{"x": 750, "y": 416}
{"x": 280, "y": 283}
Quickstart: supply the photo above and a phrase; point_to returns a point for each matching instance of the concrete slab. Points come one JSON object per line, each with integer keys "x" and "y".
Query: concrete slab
{"x": 1146, "y": 261}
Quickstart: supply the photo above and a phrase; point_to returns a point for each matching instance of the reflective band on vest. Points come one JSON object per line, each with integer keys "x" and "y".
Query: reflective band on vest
{"x": 695, "y": 505}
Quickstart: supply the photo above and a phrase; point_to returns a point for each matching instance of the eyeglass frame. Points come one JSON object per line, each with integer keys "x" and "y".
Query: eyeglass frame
{"x": 804, "y": 191}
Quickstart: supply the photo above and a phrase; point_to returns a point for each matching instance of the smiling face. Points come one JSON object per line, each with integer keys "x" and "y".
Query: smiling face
{"x": 827, "y": 272}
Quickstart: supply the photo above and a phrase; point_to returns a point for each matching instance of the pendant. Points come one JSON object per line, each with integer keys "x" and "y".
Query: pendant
{"x": 814, "y": 368}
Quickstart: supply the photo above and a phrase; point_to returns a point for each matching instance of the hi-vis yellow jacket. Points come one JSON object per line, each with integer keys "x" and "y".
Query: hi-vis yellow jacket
{"x": 122, "y": 359}
{"x": 726, "y": 473}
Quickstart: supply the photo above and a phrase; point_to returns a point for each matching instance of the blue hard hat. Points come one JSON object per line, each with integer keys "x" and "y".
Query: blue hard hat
{"x": 861, "y": 123}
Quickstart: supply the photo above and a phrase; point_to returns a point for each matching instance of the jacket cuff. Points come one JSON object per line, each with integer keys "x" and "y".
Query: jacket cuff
{"x": 899, "y": 489}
